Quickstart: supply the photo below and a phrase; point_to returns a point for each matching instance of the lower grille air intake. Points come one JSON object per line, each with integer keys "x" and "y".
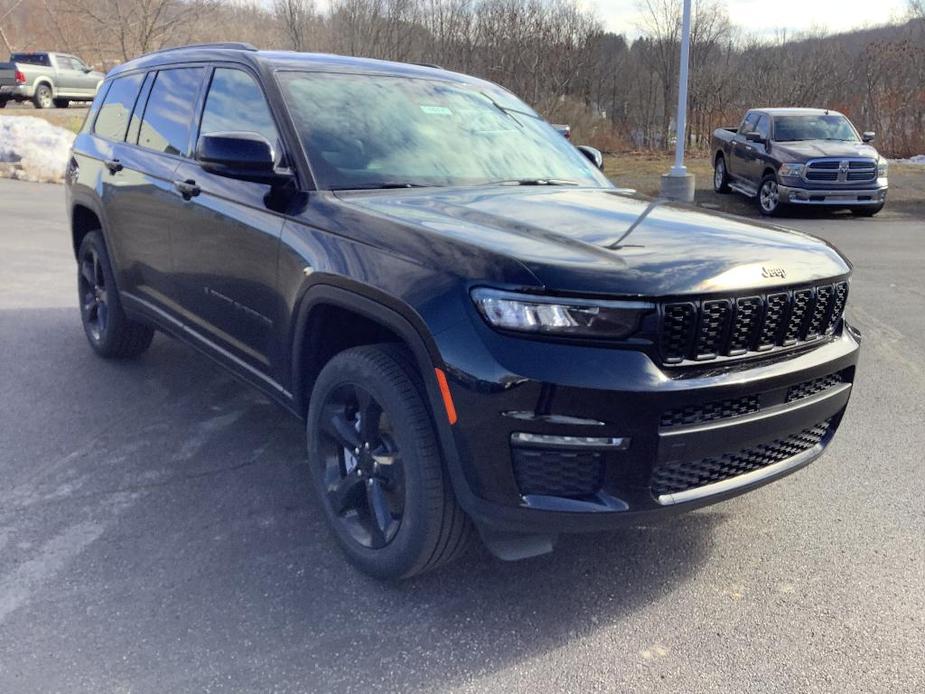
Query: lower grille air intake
{"x": 680, "y": 477}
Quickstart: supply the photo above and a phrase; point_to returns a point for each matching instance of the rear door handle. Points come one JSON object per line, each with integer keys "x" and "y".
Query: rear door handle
{"x": 114, "y": 165}
{"x": 188, "y": 188}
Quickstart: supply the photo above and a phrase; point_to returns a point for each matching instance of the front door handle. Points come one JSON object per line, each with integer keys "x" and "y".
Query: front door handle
{"x": 188, "y": 188}
{"x": 114, "y": 165}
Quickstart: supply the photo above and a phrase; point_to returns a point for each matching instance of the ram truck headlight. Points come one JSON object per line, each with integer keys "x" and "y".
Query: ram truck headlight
{"x": 791, "y": 170}
{"x": 883, "y": 168}
{"x": 560, "y": 316}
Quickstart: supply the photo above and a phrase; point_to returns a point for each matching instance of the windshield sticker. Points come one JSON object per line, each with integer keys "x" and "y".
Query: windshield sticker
{"x": 436, "y": 110}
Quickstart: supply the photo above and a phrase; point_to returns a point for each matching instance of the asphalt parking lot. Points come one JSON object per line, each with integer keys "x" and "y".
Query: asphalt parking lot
{"x": 157, "y": 533}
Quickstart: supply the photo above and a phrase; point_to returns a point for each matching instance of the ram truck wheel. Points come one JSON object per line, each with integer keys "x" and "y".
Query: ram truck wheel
{"x": 769, "y": 196}
{"x": 720, "y": 176}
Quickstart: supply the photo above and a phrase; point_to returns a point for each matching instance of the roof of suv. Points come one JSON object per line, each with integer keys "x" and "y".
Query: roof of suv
{"x": 320, "y": 62}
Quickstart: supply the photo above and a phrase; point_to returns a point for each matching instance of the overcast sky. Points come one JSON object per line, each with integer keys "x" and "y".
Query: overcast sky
{"x": 766, "y": 16}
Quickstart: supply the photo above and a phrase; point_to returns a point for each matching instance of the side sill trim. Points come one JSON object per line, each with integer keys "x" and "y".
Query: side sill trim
{"x": 205, "y": 344}
{"x": 744, "y": 480}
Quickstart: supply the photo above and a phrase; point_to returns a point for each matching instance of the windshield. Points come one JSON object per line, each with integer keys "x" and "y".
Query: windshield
{"x": 377, "y": 131}
{"x": 823, "y": 127}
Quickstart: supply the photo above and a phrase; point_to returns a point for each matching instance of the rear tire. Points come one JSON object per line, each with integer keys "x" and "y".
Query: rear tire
{"x": 768, "y": 197}
{"x": 866, "y": 211}
{"x": 42, "y": 97}
{"x": 62, "y": 103}
{"x": 720, "y": 175}
{"x": 377, "y": 468}
{"x": 3, "y": 103}
{"x": 111, "y": 334}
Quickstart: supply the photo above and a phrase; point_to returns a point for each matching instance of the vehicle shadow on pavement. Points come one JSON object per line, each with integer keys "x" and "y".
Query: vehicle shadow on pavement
{"x": 188, "y": 549}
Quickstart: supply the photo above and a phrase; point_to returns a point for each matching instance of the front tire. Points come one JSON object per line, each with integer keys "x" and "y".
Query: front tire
{"x": 42, "y": 97}
{"x": 376, "y": 465}
{"x": 720, "y": 175}
{"x": 111, "y": 334}
{"x": 769, "y": 196}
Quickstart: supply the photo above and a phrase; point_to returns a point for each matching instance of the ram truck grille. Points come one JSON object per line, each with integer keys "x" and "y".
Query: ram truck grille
{"x": 841, "y": 171}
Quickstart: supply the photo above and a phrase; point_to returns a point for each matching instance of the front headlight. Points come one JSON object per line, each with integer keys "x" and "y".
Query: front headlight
{"x": 559, "y": 316}
{"x": 882, "y": 168}
{"x": 791, "y": 169}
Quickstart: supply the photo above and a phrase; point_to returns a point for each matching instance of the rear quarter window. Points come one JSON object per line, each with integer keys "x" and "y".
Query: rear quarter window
{"x": 31, "y": 59}
{"x": 113, "y": 118}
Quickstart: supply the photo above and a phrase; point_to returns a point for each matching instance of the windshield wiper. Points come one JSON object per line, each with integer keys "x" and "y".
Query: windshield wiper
{"x": 383, "y": 185}
{"x": 535, "y": 182}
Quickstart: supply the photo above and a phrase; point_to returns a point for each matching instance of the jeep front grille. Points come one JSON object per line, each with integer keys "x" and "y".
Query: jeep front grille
{"x": 700, "y": 330}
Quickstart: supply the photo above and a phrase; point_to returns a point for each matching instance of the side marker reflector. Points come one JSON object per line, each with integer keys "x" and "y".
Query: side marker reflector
{"x": 447, "y": 397}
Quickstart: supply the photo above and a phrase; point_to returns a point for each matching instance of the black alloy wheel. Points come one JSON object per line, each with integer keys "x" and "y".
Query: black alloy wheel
{"x": 363, "y": 470}
{"x": 377, "y": 467}
{"x": 92, "y": 289}
{"x": 110, "y": 332}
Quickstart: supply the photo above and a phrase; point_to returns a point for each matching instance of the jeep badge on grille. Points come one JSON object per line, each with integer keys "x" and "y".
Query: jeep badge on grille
{"x": 770, "y": 271}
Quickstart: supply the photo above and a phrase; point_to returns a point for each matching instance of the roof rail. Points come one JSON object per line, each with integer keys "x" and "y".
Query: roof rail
{"x": 435, "y": 67}
{"x": 230, "y": 45}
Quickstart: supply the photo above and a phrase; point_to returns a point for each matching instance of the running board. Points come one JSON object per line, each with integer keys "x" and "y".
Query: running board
{"x": 740, "y": 188}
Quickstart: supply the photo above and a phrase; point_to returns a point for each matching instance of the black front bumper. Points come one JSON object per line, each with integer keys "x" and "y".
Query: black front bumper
{"x": 691, "y": 437}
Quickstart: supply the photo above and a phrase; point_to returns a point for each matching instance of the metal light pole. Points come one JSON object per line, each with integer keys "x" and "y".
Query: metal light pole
{"x": 678, "y": 184}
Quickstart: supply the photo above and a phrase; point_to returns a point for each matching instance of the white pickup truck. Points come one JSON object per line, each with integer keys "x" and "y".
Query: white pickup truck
{"x": 54, "y": 79}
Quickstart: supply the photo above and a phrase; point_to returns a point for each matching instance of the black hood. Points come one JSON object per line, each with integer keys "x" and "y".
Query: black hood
{"x": 566, "y": 238}
{"x": 813, "y": 149}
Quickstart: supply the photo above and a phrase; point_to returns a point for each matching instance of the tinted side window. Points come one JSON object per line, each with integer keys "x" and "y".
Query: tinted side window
{"x": 236, "y": 104}
{"x": 112, "y": 120}
{"x": 763, "y": 129}
{"x": 748, "y": 124}
{"x": 31, "y": 58}
{"x": 169, "y": 115}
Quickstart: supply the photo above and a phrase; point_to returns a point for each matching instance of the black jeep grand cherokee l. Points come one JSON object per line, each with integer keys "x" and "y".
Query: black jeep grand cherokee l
{"x": 479, "y": 329}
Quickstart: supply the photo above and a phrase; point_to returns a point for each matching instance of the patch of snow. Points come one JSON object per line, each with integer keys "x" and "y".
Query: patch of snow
{"x": 32, "y": 149}
{"x": 917, "y": 159}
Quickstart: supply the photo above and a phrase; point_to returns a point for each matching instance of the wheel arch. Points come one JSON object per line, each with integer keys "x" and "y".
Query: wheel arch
{"x": 84, "y": 219}
{"x": 44, "y": 79}
{"x": 325, "y": 306}
{"x": 332, "y": 294}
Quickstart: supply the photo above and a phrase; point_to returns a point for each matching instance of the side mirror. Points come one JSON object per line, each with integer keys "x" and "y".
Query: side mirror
{"x": 241, "y": 155}
{"x": 593, "y": 155}
{"x": 869, "y": 136}
{"x": 754, "y": 137}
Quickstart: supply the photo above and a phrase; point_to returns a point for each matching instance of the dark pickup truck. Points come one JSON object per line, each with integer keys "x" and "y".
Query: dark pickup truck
{"x": 10, "y": 79}
{"x": 800, "y": 156}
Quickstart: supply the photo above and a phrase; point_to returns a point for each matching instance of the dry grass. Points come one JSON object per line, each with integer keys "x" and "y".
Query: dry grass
{"x": 642, "y": 171}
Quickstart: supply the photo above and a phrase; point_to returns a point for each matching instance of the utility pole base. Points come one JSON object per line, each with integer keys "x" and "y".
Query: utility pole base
{"x": 678, "y": 187}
